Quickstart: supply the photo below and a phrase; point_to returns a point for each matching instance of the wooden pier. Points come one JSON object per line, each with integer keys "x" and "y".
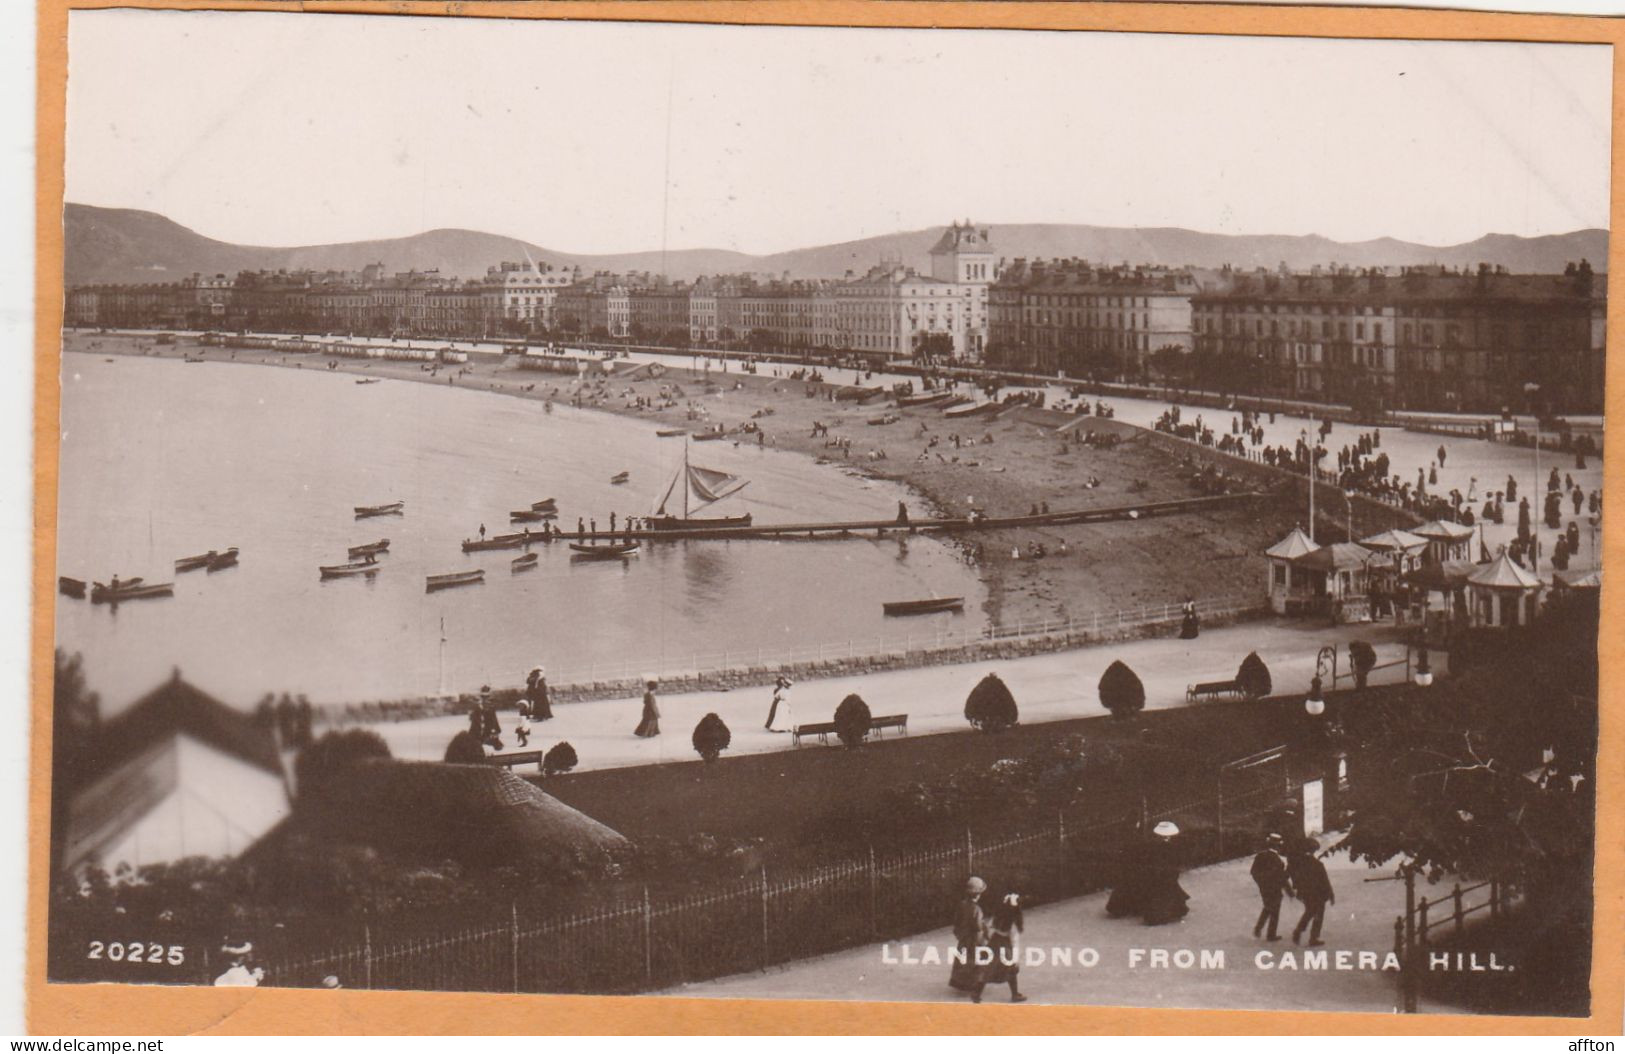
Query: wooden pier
{"x": 961, "y": 525}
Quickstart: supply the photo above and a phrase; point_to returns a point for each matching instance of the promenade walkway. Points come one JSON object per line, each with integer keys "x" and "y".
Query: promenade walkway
{"x": 1256, "y": 974}
{"x": 1048, "y": 687}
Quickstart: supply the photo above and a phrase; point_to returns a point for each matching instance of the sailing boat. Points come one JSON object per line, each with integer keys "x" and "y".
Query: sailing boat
{"x": 701, "y": 487}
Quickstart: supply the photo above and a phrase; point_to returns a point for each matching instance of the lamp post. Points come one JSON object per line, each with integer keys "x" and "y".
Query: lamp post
{"x": 1424, "y": 673}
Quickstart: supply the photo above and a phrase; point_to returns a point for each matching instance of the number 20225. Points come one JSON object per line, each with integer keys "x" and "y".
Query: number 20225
{"x": 137, "y": 952}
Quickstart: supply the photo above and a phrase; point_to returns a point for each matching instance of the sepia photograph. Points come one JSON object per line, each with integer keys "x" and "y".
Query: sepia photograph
{"x": 975, "y": 516}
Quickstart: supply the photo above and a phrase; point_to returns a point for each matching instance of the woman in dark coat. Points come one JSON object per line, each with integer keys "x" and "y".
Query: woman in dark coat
{"x": 970, "y": 933}
{"x": 649, "y": 725}
{"x": 1005, "y": 924}
{"x": 1189, "y": 630}
{"x": 536, "y": 695}
{"x": 1165, "y": 899}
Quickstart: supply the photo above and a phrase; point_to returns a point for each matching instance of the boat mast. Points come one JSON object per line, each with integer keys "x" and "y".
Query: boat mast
{"x": 685, "y": 477}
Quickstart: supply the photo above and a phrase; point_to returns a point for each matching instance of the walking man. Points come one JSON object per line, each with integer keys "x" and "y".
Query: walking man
{"x": 1269, "y": 874}
{"x": 1310, "y": 883}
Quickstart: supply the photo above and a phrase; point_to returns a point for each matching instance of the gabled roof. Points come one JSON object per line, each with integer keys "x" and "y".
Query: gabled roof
{"x": 177, "y": 707}
{"x": 1339, "y": 556}
{"x": 1291, "y": 547}
{"x": 1394, "y": 540}
{"x": 1443, "y": 530}
{"x": 961, "y": 237}
{"x": 1503, "y": 573}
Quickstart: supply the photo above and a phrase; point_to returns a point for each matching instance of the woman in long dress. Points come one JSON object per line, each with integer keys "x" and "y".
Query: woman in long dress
{"x": 536, "y": 692}
{"x": 778, "y": 715}
{"x": 1005, "y": 924}
{"x": 970, "y": 933}
{"x": 649, "y": 725}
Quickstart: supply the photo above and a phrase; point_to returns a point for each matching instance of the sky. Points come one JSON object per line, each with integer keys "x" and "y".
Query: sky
{"x": 296, "y": 128}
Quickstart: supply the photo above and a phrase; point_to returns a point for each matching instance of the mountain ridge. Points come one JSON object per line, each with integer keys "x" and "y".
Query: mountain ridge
{"x": 130, "y": 245}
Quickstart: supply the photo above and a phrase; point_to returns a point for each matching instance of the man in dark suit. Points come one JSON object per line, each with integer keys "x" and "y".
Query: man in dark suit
{"x": 1269, "y": 874}
{"x": 1312, "y": 886}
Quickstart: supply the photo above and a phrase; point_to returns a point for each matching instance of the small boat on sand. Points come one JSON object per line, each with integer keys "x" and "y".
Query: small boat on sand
{"x": 885, "y": 419}
{"x": 923, "y": 607}
{"x": 524, "y": 563}
{"x": 364, "y": 511}
{"x": 70, "y": 587}
{"x": 189, "y": 358}
{"x": 349, "y": 570}
{"x": 705, "y": 437}
{"x": 221, "y": 561}
{"x": 459, "y": 578}
{"x": 136, "y": 590}
{"x": 371, "y": 548}
{"x": 620, "y": 477}
{"x": 605, "y": 552}
{"x": 975, "y": 410}
{"x": 367, "y": 380}
{"x": 667, "y": 433}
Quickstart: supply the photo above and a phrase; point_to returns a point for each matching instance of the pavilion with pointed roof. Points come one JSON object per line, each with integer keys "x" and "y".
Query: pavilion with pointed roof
{"x": 1503, "y": 594}
{"x": 1339, "y": 580}
{"x": 1447, "y": 541}
{"x": 1289, "y": 595}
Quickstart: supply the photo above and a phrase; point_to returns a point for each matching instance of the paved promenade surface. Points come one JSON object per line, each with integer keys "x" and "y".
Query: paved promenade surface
{"x": 1224, "y": 905}
{"x": 1047, "y": 688}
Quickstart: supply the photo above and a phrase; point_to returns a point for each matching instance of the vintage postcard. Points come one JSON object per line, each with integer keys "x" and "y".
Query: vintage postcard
{"x": 1098, "y": 516}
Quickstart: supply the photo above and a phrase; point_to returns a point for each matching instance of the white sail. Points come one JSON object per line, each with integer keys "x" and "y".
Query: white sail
{"x": 701, "y": 487}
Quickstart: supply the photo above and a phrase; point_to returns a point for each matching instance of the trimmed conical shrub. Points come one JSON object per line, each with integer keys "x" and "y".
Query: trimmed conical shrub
{"x": 562, "y": 758}
{"x": 990, "y": 707}
{"x": 852, "y": 720}
{"x": 1253, "y": 676}
{"x": 711, "y": 737}
{"x": 1121, "y": 691}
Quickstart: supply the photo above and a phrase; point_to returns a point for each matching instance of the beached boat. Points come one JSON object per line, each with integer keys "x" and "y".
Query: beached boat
{"x": 367, "y": 380}
{"x": 136, "y": 590}
{"x": 923, "y": 607}
{"x": 706, "y": 437}
{"x": 190, "y": 358}
{"x": 70, "y": 587}
{"x": 925, "y": 399}
{"x": 459, "y": 578}
{"x": 667, "y": 433}
{"x": 620, "y": 477}
{"x": 363, "y": 511}
{"x": 972, "y": 411}
{"x": 606, "y": 552}
{"x": 349, "y": 570}
{"x": 885, "y": 419}
{"x": 221, "y": 561}
{"x": 371, "y": 548}
{"x": 524, "y": 563}
{"x": 701, "y": 487}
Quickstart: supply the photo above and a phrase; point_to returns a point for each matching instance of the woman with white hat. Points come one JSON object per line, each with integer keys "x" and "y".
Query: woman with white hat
{"x": 649, "y": 725}
{"x": 1165, "y": 899}
{"x": 778, "y": 715}
{"x": 970, "y": 931}
{"x": 237, "y": 974}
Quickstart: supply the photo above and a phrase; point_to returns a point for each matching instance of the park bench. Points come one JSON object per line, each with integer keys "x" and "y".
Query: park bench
{"x": 522, "y": 757}
{"x": 1214, "y": 690}
{"x": 824, "y": 729}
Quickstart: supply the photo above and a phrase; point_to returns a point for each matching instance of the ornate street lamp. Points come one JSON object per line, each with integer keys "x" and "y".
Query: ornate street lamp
{"x": 1424, "y": 673}
{"x": 1315, "y": 703}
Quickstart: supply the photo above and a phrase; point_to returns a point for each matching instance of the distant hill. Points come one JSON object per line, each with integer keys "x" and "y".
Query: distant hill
{"x": 128, "y": 245}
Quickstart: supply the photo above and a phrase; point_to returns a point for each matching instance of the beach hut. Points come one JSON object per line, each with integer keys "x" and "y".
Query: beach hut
{"x": 1338, "y": 578}
{"x": 1502, "y": 594}
{"x": 1289, "y": 595}
{"x": 1402, "y": 548}
{"x": 1446, "y": 541}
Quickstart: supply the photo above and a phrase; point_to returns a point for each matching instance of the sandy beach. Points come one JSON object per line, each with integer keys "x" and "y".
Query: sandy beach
{"x": 1003, "y": 464}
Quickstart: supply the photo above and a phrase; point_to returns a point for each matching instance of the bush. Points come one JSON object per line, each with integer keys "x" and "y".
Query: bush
{"x": 335, "y": 751}
{"x": 1121, "y": 691}
{"x": 852, "y": 720}
{"x": 1362, "y": 657}
{"x": 465, "y": 749}
{"x": 711, "y": 737}
{"x": 562, "y": 758}
{"x": 1253, "y": 676}
{"x": 990, "y": 707}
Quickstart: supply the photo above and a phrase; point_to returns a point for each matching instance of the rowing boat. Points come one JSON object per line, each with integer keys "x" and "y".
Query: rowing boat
{"x": 705, "y": 437}
{"x": 71, "y": 587}
{"x": 620, "y": 477}
{"x": 221, "y": 561}
{"x": 972, "y": 411}
{"x": 605, "y": 552}
{"x": 367, "y": 380}
{"x": 347, "y": 570}
{"x": 923, "y": 607}
{"x": 531, "y": 515}
{"x": 102, "y": 594}
{"x": 925, "y": 399}
{"x": 193, "y": 563}
{"x": 667, "y": 433}
{"x": 371, "y": 548}
{"x": 499, "y": 541}
{"x": 524, "y": 563}
{"x": 459, "y": 578}
{"x": 363, "y": 511}
{"x": 545, "y": 504}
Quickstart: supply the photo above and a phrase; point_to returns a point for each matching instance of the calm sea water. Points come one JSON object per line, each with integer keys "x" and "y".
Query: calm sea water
{"x": 162, "y": 459}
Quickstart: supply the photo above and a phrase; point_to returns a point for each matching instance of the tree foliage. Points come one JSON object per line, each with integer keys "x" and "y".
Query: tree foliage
{"x": 560, "y": 759}
{"x": 711, "y": 737}
{"x": 1121, "y": 691}
{"x": 465, "y": 749}
{"x": 990, "y": 707}
{"x": 852, "y": 720}
{"x": 334, "y": 752}
{"x": 1253, "y": 676}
